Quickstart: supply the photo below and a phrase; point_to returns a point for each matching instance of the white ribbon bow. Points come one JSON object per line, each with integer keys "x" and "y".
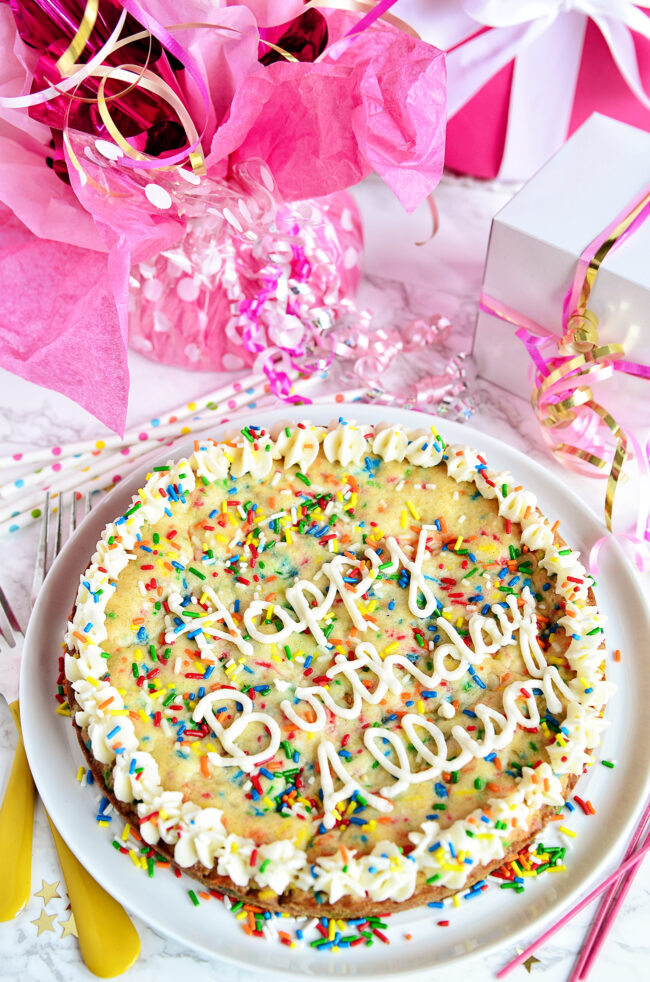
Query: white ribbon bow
{"x": 545, "y": 38}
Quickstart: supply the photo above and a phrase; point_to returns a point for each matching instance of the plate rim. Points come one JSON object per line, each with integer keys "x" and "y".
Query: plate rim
{"x": 461, "y": 432}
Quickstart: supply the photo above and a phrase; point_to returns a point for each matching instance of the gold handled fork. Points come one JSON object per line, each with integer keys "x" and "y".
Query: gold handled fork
{"x": 108, "y": 940}
{"x": 17, "y": 811}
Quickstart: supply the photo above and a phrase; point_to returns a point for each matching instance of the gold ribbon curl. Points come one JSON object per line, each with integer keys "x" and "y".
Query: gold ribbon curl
{"x": 564, "y": 412}
{"x": 66, "y": 63}
{"x": 588, "y": 359}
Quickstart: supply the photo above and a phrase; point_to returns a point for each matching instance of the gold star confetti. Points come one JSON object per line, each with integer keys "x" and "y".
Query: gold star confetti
{"x": 49, "y": 891}
{"x": 44, "y": 922}
{"x": 528, "y": 964}
{"x": 69, "y": 927}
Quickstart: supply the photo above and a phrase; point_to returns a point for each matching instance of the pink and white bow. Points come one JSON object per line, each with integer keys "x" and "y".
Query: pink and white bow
{"x": 545, "y": 38}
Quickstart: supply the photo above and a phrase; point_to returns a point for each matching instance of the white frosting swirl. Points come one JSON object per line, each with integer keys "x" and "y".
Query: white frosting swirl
{"x": 299, "y": 447}
{"x": 136, "y": 776}
{"x": 537, "y": 535}
{"x": 424, "y": 451}
{"x": 88, "y": 664}
{"x": 246, "y": 460}
{"x": 517, "y": 504}
{"x": 110, "y": 737}
{"x": 386, "y": 874}
{"x": 160, "y": 814}
{"x": 280, "y": 863}
{"x": 346, "y": 444}
{"x": 211, "y": 462}
{"x": 391, "y": 443}
{"x": 338, "y": 876}
{"x": 235, "y": 859}
{"x": 98, "y": 701}
{"x": 461, "y": 462}
{"x": 201, "y": 835}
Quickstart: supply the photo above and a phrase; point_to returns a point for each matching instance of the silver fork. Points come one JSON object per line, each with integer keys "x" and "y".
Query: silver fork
{"x": 42, "y": 564}
{"x": 108, "y": 940}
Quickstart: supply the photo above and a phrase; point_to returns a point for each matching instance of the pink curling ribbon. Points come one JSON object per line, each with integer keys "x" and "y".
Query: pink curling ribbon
{"x": 578, "y": 430}
{"x": 378, "y": 11}
{"x": 380, "y": 359}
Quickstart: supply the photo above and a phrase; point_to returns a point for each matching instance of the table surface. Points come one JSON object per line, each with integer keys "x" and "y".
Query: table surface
{"x": 402, "y": 280}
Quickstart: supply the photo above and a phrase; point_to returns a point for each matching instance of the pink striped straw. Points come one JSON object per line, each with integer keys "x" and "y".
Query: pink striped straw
{"x": 609, "y": 908}
{"x": 612, "y": 878}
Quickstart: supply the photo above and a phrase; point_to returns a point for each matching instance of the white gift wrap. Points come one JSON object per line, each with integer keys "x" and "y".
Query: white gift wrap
{"x": 536, "y": 241}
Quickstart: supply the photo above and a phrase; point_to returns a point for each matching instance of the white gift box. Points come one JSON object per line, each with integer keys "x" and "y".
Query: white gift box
{"x": 536, "y": 241}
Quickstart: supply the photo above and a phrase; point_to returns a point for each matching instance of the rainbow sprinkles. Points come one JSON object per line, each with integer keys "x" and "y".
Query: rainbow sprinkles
{"x": 336, "y": 669}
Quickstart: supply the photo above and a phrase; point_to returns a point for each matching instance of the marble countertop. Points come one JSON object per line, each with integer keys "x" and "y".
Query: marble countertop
{"x": 402, "y": 280}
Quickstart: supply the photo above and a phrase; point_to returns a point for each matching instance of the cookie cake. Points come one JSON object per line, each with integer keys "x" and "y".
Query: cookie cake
{"x": 336, "y": 670}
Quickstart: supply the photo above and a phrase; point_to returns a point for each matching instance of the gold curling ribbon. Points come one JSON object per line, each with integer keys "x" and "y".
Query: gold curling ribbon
{"x": 85, "y": 177}
{"x": 581, "y": 341}
{"x": 555, "y": 414}
{"x": 582, "y": 325}
{"x": 150, "y": 82}
{"x": 66, "y": 63}
{"x": 132, "y": 38}
{"x": 153, "y": 83}
{"x": 599, "y": 256}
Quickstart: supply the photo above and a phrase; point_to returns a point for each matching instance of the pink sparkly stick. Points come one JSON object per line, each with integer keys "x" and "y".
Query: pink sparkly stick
{"x": 612, "y": 878}
{"x": 609, "y": 908}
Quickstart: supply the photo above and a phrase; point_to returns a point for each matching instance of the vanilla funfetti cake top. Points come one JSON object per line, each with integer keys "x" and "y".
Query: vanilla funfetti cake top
{"x": 348, "y": 661}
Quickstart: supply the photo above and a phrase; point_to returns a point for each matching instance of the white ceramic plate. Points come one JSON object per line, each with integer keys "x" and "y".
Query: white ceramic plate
{"x": 496, "y": 918}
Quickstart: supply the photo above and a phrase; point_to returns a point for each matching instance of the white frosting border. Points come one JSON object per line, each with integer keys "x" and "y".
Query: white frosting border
{"x": 198, "y": 834}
